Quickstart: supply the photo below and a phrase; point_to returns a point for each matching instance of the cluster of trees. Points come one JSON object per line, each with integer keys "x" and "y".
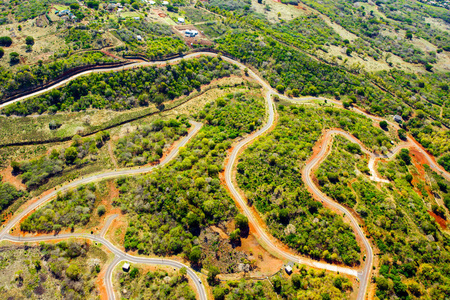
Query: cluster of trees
{"x": 294, "y": 73}
{"x": 339, "y": 168}
{"x": 37, "y": 171}
{"x": 146, "y": 144}
{"x": 155, "y": 285}
{"x": 8, "y": 194}
{"x": 269, "y": 172}
{"x": 127, "y": 89}
{"x": 160, "y": 46}
{"x": 81, "y": 37}
{"x": 278, "y": 64}
{"x": 26, "y": 76}
{"x": 169, "y": 208}
{"x": 158, "y": 39}
{"x": 370, "y": 27}
{"x": 24, "y": 10}
{"x": 68, "y": 269}
{"x": 303, "y": 284}
{"x": 68, "y": 210}
{"x": 413, "y": 250}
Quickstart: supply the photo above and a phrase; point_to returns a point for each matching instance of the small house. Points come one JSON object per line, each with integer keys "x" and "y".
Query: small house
{"x": 139, "y": 37}
{"x": 288, "y": 269}
{"x": 126, "y": 267}
{"x": 64, "y": 12}
{"x": 191, "y": 33}
{"x": 398, "y": 119}
{"x": 151, "y": 2}
{"x": 181, "y": 20}
{"x": 165, "y": 3}
{"x": 137, "y": 18}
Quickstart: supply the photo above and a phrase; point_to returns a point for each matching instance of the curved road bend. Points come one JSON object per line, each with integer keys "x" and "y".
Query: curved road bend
{"x": 97, "y": 177}
{"x": 119, "y": 256}
{"x": 238, "y": 198}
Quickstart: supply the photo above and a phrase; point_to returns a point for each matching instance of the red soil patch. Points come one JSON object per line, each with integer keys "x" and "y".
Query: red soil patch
{"x": 439, "y": 220}
{"x": 28, "y": 203}
{"x": 10, "y": 178}
{"x": 118, "y": 223}
{"x": 100, "y": 283}
{"x": 162, "y": 15}
{"x": 324, "y": 140}
{"x": 110, "y": 54}
{"x": 266, "y": 263}
{"x": 419, "y": 160}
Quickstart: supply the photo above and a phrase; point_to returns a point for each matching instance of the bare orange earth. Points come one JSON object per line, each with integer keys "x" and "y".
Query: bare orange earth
{"x": 439, "y": 220}
{"x": 10, "y": 178}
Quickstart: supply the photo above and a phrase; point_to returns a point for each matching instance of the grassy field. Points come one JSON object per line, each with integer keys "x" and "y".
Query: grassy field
{"x": 45, "y": 271}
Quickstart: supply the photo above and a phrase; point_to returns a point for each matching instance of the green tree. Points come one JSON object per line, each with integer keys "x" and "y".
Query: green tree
{"x": 280, "y": 88}
{"x": 241, "y": 221}
{"x": 29, "y": 40}
{"x": 134, "y": 273}
{"x": 193, "y": 220}
{"x": 401, "y": 134}
{"x": 5, "y": 41}
{"x": 2, "y": 52}
{"x": 74, "y": 6}
{"x": 384, "y": 124}
{"x": 71, "y": 155}
{"x": 296, "y": 281}
{"x": 101, "y": 210}
{"x": 408, "y": 177}
{"x": 404, "y": 155}
{"x": 235, "y": 235}
{"x": 219, "y": 293}
{"x": 14, "y": 57}
{"x": 212, "y": 273}
{"x": 195, "y": 255}
{"x": 73, "y": 272}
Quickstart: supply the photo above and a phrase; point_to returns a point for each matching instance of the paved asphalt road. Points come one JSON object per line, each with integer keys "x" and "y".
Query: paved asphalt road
{"x": 120, "y": 256}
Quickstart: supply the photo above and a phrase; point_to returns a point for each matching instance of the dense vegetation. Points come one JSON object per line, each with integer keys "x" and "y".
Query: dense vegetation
{"x": 294, "y": 73}
{"x": 127, "y": 89}
{"x": 73, "y": 208}
{"x": 269, "y": 173}
{"x": 82, "y": 150}
{"x": 24, "y": 10}
{"x": 66, "y": 269}
{"x": 8, "y": 194}
{"x": 169, "y": 208}
{"x": 147, "y": 144}
{"x": 28, "y": 76}
{"x": 302, "y": 284}
{"x": 156, "y": 40}
{"x": 157, "y": 285}
{"x": 414, "y": 256}
{"x": 342, "y": 165}
{"x": 374, "y": 25}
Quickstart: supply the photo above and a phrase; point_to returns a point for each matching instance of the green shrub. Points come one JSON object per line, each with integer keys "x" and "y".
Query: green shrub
{"x": 5, "y": 41}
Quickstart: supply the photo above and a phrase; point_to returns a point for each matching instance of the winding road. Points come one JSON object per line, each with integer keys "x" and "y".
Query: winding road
{"x": 119, "y": 254}
{"x": 268, "y": 240}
